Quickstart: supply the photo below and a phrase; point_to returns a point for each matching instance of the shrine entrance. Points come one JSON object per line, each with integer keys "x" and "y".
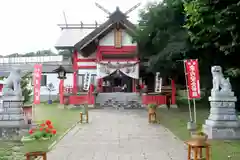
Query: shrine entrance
{"x": 117, "y": 82}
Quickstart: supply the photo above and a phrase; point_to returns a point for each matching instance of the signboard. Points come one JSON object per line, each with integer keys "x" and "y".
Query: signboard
{"x": 193, "y": 78}
{"x": 37, "y": 75}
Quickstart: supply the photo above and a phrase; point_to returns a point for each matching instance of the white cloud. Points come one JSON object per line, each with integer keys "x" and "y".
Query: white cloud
{"x": 31, "y": 25}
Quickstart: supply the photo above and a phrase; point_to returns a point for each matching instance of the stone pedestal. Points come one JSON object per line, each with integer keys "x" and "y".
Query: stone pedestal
{"x": 11, "y": 117}
{"x": 222, "y": 122}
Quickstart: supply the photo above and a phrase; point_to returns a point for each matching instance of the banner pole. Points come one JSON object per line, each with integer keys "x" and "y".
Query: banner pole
{"x": 194, "y": 111}
{"x": 189, "y": 104}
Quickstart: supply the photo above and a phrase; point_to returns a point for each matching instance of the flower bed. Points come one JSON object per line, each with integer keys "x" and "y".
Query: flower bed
{"x": 39, "y": 137}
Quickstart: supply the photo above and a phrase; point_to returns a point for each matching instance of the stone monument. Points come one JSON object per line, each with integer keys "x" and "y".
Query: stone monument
{"x": 11, "y": 113}
{"x": 223, "y": 122}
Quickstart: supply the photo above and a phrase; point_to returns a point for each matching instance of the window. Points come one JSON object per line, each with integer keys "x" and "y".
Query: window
{"x": 94, "y": 80}
{"x": 44, "y": 80}
{"x": 81, "y": 79}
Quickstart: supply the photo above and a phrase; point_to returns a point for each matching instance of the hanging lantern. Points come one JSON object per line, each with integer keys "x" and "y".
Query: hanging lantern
{"x": 61, "y": 72}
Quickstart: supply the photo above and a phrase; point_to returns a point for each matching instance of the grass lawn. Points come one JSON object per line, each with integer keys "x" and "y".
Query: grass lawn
{"x": 176, "y": 120}
{"x": 62, "y": 120}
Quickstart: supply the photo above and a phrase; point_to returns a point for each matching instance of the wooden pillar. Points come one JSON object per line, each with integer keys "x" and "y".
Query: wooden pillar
{"x": 61, "y": 91}
{"x": 173, "y": 99}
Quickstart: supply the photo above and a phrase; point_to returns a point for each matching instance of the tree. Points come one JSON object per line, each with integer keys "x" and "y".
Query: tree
{"x": 161, "y": 37}
{"x": 26, "y": 91}
{"x": 214, "y": 30}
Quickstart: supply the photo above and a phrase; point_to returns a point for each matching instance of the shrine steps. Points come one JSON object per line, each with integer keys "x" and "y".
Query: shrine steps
{"x": 119, "y": 100}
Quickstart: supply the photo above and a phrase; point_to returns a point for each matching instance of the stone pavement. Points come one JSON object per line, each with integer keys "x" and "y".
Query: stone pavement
{"x": 119, "y": 135}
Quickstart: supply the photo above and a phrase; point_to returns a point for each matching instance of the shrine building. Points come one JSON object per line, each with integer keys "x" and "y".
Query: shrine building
{"x": 105, "y": 56}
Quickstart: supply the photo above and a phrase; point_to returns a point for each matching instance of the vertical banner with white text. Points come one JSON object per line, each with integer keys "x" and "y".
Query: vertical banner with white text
{"x": 193, "y": 78}
{"x": 37, "y": 74}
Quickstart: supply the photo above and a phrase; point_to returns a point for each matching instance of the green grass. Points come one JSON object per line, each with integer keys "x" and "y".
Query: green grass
{"x": 176, "y": 120}
{"x": 62, "y": 120}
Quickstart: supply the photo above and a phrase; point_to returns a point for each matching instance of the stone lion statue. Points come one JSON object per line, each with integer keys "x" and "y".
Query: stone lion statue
{"x": 219, "y": 82}
{"x": 12, "y": 85}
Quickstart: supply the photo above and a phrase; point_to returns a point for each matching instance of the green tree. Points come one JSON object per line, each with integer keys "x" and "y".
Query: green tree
{"x": 26, "y": 91}
{"x": 161, "y": 37}
{"x": 214, "y": 31}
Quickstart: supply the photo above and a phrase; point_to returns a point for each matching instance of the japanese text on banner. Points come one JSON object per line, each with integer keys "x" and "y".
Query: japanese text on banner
{"x": 37, "y": 74}
{"x": 193, "y": 79}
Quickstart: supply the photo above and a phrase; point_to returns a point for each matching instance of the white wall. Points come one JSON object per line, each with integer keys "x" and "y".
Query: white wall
{"x": 83, "y": 71}
{"x": 52, "y": 78}
{"x": 108, "y": 40}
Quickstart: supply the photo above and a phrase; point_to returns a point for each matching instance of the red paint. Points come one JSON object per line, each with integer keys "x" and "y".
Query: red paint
{"x": 134, "y": 85}
{"x": 75, "y": 89}
{"x": 122, "y": 49}
{"x": 37, "y": 83}
{"x": 173, "y": 100}
{"x": 193, "y": 78}
{"x": 1, "y": 87}
{"x": 113, "y": 50}
{"x": 75, "y": 57}
{"x": 87, "y": 60}
{"x": 87, "y": 67}
{"x": 157, "y": 99}
{"x": 78, "y": 99}
{"x": 83, "y": 99}
{"x": 61, "y": 91}
{"x": 27, "y": 112}
{"x": 119, "y": 60}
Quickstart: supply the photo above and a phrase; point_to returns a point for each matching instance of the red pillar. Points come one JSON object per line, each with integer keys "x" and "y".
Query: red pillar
{"x": 173, "y": 93}
{"x": 75, "y": 73}
{"x": 75, "y": 89}
{"x": 61, "y": 91}
{"x": 99, "y": 84}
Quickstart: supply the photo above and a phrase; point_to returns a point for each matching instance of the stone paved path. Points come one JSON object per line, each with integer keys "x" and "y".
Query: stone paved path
{"x": 119, "y": 135}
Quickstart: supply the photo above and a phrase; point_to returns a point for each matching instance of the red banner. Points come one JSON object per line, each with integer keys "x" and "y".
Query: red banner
{"x": 193, "y": 78}
{"x": 37, "y": 75}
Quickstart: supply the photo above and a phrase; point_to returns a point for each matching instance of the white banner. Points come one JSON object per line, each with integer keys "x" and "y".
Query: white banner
{"x": 130, "y": 69}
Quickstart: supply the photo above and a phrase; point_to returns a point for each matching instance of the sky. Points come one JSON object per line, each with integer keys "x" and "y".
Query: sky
{"x": 31, "y": 25}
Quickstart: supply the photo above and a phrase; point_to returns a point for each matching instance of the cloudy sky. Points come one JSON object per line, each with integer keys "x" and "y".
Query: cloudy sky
{"x": 31, "y": 25}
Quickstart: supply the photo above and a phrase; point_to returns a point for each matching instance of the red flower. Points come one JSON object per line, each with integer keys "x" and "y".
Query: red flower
{"x": 48, "y": 122}
{"x": 47, "y": 130}
{"x": 43, "y": 125}
{"x": 30, "y": 131}
{"x": 41, "y": 129}
{"x": 50, "y": 126}
{"x": 54, "y": 131}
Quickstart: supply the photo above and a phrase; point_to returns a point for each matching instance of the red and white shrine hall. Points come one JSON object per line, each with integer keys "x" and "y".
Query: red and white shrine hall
{"x": 106, "y": 57}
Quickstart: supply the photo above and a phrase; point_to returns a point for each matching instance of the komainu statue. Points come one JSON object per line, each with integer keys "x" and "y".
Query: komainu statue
{"x": 12, "y": 85}
{"x": 220, "y": 84}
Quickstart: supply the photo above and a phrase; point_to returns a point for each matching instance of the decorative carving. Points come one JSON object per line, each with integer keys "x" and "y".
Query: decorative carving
{"x": 220, "y": 84}
{"x": 12, "y": 85}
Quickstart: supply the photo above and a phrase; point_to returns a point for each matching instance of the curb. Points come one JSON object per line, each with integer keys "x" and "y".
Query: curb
{"x": 60, "y": 138}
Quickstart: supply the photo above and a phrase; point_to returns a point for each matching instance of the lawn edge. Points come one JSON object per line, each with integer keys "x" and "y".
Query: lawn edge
{"x": 60, "y": 138}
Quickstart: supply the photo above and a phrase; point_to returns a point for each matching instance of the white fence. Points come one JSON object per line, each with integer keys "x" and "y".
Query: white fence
{"x": 36, "y": 59}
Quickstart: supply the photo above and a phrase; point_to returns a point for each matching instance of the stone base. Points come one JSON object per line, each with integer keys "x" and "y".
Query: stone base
{"x": 162, "y": 106}
{"x": 173, "y": 106}
{"x": 223, "y": 124}
{"x": 10, "y": 133}
{"x": 226, "y": 133}
{"x": 61, "y": 106}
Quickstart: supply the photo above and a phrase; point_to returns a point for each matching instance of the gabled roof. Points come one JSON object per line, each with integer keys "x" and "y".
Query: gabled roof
{"x": 115, "y": 18}
{"x": 70, "y": 36}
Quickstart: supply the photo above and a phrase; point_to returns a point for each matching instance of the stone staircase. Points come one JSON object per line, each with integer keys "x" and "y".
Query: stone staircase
{"x": 119, "y": 100}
